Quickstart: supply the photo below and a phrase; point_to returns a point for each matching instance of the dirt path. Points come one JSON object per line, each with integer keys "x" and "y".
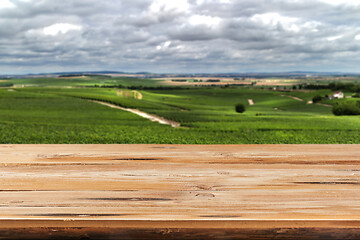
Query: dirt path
{"x": 325, "y": 105}
{"x": 295, "y": 98}
{"x": 151, "y": 117}
{"x": 251, "y": 102}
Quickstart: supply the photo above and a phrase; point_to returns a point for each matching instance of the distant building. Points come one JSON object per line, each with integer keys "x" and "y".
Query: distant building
{"x": 336, "y": 95}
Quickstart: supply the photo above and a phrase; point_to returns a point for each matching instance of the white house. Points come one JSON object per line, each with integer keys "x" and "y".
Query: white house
{"x": 338, "y": 94}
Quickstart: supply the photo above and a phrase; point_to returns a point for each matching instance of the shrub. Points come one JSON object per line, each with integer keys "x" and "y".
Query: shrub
{"x": 240, "y": 108}
{"x": 317, "y": 98}
{"x": 347, "y": 108}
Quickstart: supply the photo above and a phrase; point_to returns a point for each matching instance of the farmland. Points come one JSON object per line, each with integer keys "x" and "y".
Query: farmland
{"x": 60, "y": 110}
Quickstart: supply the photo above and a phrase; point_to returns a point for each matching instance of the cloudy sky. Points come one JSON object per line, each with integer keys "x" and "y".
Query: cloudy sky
{"x": 179, "y": 35}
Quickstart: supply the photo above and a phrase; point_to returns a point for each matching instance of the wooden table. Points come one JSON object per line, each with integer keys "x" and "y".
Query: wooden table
{"x": 180, "y": 191}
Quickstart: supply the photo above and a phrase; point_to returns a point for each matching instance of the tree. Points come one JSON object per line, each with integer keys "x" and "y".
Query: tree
{"x": 240, "y": 108}
{"x": 347, "y": 108}
{"x": 317, "y": 98}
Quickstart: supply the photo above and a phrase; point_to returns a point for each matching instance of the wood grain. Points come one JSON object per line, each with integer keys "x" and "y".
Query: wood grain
{"x": 180, "y": 191}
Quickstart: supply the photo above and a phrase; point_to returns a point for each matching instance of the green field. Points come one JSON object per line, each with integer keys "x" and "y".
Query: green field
{"x": 60, "y": 111}
{"x": 83, "y": 81}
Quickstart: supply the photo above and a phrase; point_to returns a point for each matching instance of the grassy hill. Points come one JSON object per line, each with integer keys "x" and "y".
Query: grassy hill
{"x": 207, "y": 116}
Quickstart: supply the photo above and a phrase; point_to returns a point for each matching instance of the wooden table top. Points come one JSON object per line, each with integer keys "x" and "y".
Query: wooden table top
{"x": 180, "y": 187}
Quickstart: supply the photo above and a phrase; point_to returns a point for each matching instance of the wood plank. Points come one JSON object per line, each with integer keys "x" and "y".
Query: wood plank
{"x": 180, "y": 191}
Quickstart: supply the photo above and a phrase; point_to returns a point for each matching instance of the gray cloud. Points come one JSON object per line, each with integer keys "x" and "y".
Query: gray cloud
{"x": 179, "y": 36}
